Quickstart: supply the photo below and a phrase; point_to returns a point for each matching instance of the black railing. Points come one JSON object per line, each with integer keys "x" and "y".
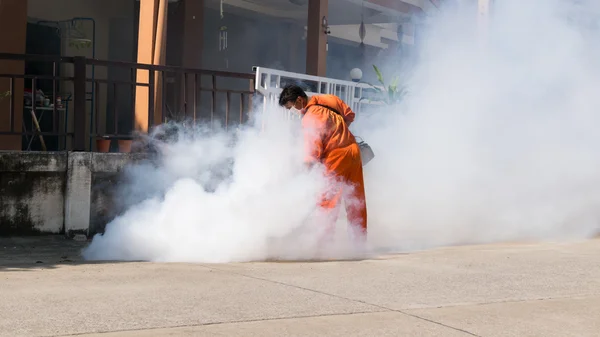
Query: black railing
{"x": 105, "y": 104}
{"x": 32, "y": 113}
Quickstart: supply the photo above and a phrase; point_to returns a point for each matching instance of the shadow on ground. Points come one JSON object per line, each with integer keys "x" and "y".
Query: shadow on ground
{"x": 26, "y": 253}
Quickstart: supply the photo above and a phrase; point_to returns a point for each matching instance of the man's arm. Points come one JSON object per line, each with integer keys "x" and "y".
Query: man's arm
{"x": 312, "y": 128}
{"x": 347, "y": 113}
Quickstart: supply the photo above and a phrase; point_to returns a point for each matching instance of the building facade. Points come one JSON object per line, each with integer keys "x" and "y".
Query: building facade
{"x": 319, "y": 37}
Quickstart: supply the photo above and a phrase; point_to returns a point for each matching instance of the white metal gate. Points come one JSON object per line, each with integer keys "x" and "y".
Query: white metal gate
{"x": 269, "y": 82}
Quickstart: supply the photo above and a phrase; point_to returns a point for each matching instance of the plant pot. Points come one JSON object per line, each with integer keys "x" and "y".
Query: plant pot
{"x": 125, "y": 145}
{"x": 102, "y": 145}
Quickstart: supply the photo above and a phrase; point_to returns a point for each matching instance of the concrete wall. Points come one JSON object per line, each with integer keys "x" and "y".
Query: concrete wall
{"x": 59, "y": 193}
{"x": 32, "y": 190}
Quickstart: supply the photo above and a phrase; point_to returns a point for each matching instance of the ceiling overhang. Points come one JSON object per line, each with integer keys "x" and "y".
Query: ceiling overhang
{"x": 297, "y": 9}
{"x": 381, "y": 17}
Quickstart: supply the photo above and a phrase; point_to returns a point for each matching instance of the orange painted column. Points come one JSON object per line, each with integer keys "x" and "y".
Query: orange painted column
{"x": 13, "y": 22}
{"x": 151, "y": 50}
{"x": 316, "y": 38}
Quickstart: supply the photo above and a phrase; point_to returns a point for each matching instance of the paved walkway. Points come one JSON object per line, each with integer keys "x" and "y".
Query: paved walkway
{"x": 492, "y": 290}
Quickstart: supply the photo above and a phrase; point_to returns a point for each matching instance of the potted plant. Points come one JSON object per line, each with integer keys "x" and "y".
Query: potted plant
{"x": 103, "y": 144}
{"x": 125, "y": 145}
{"x": 390, "y": 94}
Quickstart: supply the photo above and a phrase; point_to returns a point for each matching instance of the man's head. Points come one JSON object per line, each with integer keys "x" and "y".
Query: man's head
{"x": 292, "y": 96}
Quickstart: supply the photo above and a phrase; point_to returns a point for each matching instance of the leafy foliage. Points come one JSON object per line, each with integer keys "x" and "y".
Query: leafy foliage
{"x": 392, "y": 93}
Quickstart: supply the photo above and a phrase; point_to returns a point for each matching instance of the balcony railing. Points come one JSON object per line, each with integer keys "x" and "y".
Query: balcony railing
{"x": 98, "y": 98}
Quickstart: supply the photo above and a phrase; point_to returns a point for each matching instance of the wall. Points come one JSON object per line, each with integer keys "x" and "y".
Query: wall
{"x": 343, "y": 57}
{"x": 58, "y": 192}
{"x": 122, "y": 47}
{"x": 254, "y": 40}
{"x": 278, "y": 44}
{"x": 105, "y": 13}
{"x": 32, "y": 187}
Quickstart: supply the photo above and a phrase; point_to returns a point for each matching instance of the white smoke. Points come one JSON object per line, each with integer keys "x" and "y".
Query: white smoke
{"x": 221, "y": 197}
{"x": 497, "y": 141}
{"x": 499, "y": 138}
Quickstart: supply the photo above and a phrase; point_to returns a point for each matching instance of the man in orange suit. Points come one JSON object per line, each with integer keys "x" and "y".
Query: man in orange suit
{"x": 325, "y": 122}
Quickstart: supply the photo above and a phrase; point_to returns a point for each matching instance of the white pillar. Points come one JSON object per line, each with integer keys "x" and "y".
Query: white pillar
{"x": 78, "y": 194}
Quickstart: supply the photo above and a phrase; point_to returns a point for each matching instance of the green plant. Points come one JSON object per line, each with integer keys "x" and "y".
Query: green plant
{"x": 392, "y": 93}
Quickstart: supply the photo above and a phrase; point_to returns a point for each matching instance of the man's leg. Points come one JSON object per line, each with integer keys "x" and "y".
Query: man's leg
{"x": 330, "y": 206}
{"x": 356, "y": 206}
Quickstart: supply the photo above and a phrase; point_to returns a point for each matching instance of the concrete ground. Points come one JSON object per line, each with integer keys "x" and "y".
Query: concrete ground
{"x": 490, "y": 290}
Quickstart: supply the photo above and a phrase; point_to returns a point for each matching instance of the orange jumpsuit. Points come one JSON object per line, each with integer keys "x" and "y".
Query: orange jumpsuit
{"x": 330, "y": 142}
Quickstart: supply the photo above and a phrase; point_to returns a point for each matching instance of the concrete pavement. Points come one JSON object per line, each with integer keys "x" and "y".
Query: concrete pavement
{"x": 545, "y": 290}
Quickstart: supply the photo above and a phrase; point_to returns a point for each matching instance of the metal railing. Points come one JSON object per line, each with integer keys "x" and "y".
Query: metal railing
{"x": 269, "y": 83}
{"x": 105, "y": 105}
{"x": 182, "y": 92}
{"x": 16, "y": 85}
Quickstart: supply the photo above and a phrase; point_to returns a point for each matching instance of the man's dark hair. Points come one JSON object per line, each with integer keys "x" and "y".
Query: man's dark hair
{"x": 290, "y": 93}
